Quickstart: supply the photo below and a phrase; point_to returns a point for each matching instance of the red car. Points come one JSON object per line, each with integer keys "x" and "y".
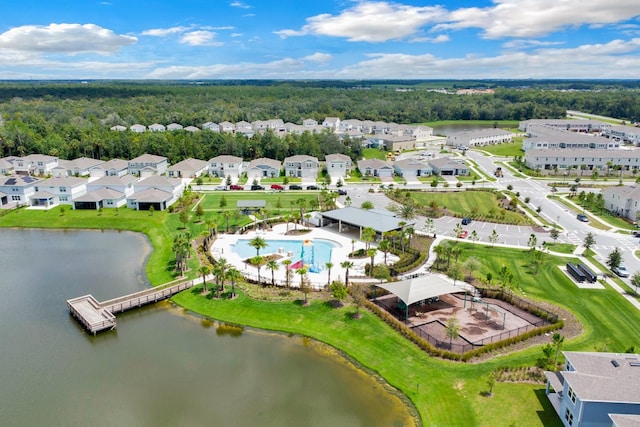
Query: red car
{"x": 236, "y": 187}
{"x": 277, "y": 187}
{"x": 463, "y": 234}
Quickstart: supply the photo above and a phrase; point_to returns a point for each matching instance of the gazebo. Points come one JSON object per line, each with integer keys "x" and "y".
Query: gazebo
{"x": 420, "y": 288}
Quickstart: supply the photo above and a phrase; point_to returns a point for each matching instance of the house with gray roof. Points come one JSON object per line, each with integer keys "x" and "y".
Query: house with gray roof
{"x": 225, "y": 165}
{"x": 582, "y": 159}
{"x": 157, "y": 191}
{"x": 338, "y": 165}
{"x": 113, "y": 167}
{"x": 227, "y": 127}
{"x": 412, "y": 168}
{"x": 594, "y": 386}
{"x": 138, "y": 128}
{"x": 375, "y": 167}
{"x": 301, "y": 166}
{"x": 213, "y": 127}
{"x": 122, "y": 184}
{"x": 157, "y": 127}
{"x": 35, "y": 164}
{"x": 548, "y": 137}
{"x": 148, "y": 164}
{"x": 174, "y": 126}
{"x": 57, "y": 190}
{"x": 263, "y": 168}
{"x": 331, "y": 123}
{"x": 118, "y": 128}
{"x": 188, "y": 168}
{"x": 622, "y": 201}
{"x": 15, "y": 190}
{"x": 102, "y": 198}
{"x": 449, "y": 166}
{"x": 479, "y": 137}
{"x": 6, "y": 167}
{"x": 381, "y": 221}
{"x": 81, "y": 166}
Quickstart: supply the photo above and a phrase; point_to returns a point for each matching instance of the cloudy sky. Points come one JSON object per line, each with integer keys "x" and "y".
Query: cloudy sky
{"x": 319, "y": 39}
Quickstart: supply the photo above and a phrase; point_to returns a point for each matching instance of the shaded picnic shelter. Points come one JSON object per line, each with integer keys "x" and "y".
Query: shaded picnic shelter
{"x": 250, "y": 206}
{"x": 381, "y": 220}
{"x": 419, "y": 288}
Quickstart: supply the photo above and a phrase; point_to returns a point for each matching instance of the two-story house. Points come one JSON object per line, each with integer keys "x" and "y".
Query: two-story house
{"x": 593, "y": 387}
{"x": 57, "y": 190}
{"x": 155, "y": 191}
{"x": 15, "y": 190}
{"x": 148, "y": 164}
{"x": 263, "y": 168}
{"x": 301, "y": 166}
{"x": 106, "y": 192}
{"x": 113, "y": 167}
{"x": 188, "y": 168}
{"x": 338, "y": 165}
{"x": 35, "y": 164}
{"x": 225, "y": 165}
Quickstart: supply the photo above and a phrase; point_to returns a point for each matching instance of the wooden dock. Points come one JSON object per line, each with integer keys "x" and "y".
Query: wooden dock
{"x": 99, "y": 316}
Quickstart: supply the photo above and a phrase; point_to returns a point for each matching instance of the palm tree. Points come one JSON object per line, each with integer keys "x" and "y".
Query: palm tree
{"x": 287, "y": 272}
{"x": 385, "y": 247}
{"x": 222, "y": 266}
{"x": 371, "y": 253}
{"x": 407, "y": 212}
{"x": 368, "y": 236}
{"x": 558, "y": 340}
{"x": 257, "y": 261}
{"x": 204, "y": 270}
{"x": 329, "y": 265}
{"x": 234, "y": 276}
{"x": 273, "y": 265}
{"x": 346, "y": 265}
{"x": 301, "y": 271}
{"x": 258, "y": 243}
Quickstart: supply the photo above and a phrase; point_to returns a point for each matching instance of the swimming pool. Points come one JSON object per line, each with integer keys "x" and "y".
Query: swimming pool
{"x": 316, "y": 254}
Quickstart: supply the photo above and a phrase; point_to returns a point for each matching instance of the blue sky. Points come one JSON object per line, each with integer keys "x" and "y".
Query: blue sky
{"x": 309, "y": 39}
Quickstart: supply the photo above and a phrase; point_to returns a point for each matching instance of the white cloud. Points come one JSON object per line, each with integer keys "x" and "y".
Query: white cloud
{"x": 200, "y": 38}
{"x": 240, "y": 5}
{"x": 528, "y": 43}
{"x": 442, "y": 38}
{"x": 67, "y": 39}
{"x": 371, "y": 22}
{"x": 282, "y": 68}
{"x": 163, "y": 32}
{"x": 532, "y": 18}
{"x": 318, "y": 57}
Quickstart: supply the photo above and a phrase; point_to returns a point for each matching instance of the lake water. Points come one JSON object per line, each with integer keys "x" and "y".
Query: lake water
{"x": 458, "y": 127}
{"x": 162, "y": 366}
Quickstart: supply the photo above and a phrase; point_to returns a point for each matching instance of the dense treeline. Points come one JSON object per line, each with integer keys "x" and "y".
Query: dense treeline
{"x": 72, "y": 119}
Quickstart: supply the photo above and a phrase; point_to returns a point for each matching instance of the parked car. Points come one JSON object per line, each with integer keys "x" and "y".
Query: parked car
{"x": 341, "y": 192}
{"x": 466, "y": 221}
{"x": 277, "y": 187}
{"x": 636, "y": 234}
{"x": 463, "y": 234}
{"x": 295, "y": 187}
{"x": 583, "y": 218}
{"x": 236, "y": 187}
{"x": 257, "y": 187}
{"x": 621, "y": 271}
{"x": 220, "y": 188}
{"x": 312, "y": 187}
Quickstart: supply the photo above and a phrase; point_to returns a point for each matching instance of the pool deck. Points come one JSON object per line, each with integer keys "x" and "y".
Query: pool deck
{"x": 223, "y": 248}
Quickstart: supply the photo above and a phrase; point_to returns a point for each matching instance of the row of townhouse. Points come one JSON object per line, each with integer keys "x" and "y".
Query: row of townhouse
{"x": 567, "y": 133}
{"x": 479, "y": 138}
{"x": 137, "y": 193}
{"x": 623, "y": 201}
{"x": 582, "y": 159}
{"x": 352, "y": 127}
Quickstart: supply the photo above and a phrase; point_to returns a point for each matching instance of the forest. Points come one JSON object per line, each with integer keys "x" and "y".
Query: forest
{"x": 72, "y": 119}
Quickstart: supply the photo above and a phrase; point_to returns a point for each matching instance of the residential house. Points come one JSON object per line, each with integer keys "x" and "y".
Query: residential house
{"x": 420, "y": 133}
{"x": 113, "y": 167}
{"x": 375, "y": 167}
{"x": 309, "y": 123}
{"x": 54, "y": 191}
{"x": 263, "y": 168}
{"x": 188, "y": 168}
{"x": 227, "y": 127}
{"x": 338, "y": 165}
{"x": 118, "y": 128}
{"x": 331, "y": 123}
{"x": 138, "y": 128}
{"x": 35, "y": 164}
{"x": 213, "y": 127}
{"x": 301, "y": 166}
{"x": 148, "y": 164}
{"x": 479, "y": 138}
{"x": 106, "y": 192}
{"x": 244, "y": 128}
{"x": 572, "y": 125}
{"x": 449, "y": 166}
{"x": 225, "y": 165}
{"x": 157, "y": 127}
{"x": 582, "y": 159}
{"x": 593, "y": 387}
{"x": 6, "y": 167}
{"x": 15, "y": 190}
{"x": 542, "y": 136}
{"x": 81, "y": 166}
{"x": 623, "y": 201}
{"x": 192, "y": 129}
{"x": 155, "y": 191}
{"x": 174, "y": 126}
{"x": 412, "y": 168}
{"x": 624, "y": 134}
{"x": 394, "y": 142}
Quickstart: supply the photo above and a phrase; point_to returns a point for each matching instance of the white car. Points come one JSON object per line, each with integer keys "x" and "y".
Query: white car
{"x": 621, "y": 271}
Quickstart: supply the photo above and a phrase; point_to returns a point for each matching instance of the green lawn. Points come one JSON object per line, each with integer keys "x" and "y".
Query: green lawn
{"x": 504, "y": 150}
{"x": 474, "y": 204}
{"x": 374, "y": 153}
{"x": 563, "y": 248}
{"x": 502, "y": 124}
{"x": 282, "y": 200}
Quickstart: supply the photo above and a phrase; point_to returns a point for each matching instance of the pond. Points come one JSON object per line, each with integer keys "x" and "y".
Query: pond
{"x": 161, "y": 366}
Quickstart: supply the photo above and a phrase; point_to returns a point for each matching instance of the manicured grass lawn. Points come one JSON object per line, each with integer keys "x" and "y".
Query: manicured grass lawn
{"x": 475, "y": 204}
{"x": 374, "y": 153}
{"x": 282, "y": 200}
{"x": 563, "y": 248}
{"x": 504, "y": 150}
